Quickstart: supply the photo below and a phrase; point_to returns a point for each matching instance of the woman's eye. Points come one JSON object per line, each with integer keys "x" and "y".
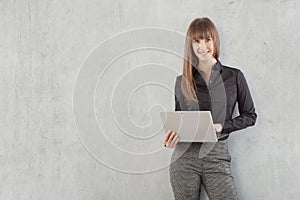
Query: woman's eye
{"x": 208, "y": 39}
{"x": 195, "y": 41}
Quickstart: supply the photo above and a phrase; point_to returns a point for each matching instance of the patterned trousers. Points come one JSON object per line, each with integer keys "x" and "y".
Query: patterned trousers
{"x": 193, "y": 164}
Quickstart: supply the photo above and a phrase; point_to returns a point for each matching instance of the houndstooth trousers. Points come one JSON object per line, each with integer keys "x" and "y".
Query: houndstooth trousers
{"x": 209, "y": 164}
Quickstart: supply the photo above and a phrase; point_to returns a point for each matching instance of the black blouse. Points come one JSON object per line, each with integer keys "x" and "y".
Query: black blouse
{"x": 226, "y": 87}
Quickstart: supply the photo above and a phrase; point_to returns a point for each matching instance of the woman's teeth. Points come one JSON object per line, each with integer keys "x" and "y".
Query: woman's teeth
{"x": 203, "y": 52}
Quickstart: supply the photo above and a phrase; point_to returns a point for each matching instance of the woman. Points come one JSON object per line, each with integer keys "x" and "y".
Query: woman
{"x": 206, "y": 84}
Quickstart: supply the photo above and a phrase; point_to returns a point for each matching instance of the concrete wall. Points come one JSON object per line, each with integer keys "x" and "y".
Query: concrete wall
{"x": 44, "y": 43}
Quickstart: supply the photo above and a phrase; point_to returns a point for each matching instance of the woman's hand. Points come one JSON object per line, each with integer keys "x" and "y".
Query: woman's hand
{"x": 218, "y": 127}
{"x": 171, "y": 139}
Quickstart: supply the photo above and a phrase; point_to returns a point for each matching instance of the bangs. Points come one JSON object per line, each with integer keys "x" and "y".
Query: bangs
{"x": 201, "y": 30}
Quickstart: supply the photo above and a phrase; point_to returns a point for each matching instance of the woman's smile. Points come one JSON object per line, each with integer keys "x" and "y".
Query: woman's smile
{"x": 203, "y": 48}
{"x": 203, "y": 52}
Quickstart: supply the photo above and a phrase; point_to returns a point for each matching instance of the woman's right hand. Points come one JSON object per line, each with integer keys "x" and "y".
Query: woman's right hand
{"x": 171, "y": 139}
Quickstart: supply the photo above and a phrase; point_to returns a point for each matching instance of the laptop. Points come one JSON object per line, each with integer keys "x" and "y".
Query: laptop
{"x": 192, "y": 126}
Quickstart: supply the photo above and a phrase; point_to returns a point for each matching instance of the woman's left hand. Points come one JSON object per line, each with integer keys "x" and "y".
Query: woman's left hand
{"x": 218, "y": 127}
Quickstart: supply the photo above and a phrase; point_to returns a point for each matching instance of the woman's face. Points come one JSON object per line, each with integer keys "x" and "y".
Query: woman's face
{"x": 203, "y": 48}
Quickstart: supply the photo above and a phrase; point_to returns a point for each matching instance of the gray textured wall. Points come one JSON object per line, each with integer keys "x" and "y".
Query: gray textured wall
{"x": 43, "y": 44}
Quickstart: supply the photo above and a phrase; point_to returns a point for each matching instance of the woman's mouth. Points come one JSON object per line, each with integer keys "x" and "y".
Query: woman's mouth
{"x": 203, "y": 52}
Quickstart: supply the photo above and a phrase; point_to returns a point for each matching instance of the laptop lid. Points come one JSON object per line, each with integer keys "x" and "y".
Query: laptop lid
{"x": 192, "y": 126}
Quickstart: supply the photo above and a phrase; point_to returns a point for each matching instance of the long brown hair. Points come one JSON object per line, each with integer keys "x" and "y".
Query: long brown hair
{"x": 199, "y": 28}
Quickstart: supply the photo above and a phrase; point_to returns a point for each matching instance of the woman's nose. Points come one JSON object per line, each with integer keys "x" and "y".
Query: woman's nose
{"x": 201, "y": 44}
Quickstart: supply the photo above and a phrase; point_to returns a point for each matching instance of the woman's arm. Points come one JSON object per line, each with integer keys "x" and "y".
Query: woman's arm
{"x": 177, "y": 104}
{"x": 246, "y": 108}
{"x": 172, "y": 138}
{"x": 177, "y": 95}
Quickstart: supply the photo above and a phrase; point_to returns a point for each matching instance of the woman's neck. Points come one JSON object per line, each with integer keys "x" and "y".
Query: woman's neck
{"x": 206, "y": 66}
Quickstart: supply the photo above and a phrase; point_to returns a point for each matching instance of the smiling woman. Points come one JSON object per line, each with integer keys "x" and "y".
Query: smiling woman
{"x": 202, "y": 47}
{"x": 216, "y": 88}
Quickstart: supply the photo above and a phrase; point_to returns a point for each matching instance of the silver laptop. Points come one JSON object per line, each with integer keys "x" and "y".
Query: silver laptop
{"x": 192, "y": 126}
